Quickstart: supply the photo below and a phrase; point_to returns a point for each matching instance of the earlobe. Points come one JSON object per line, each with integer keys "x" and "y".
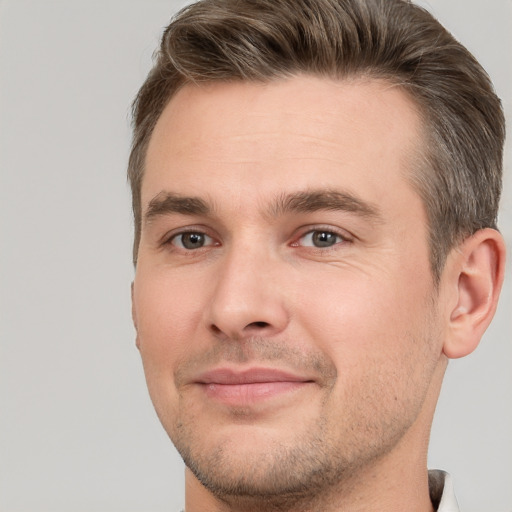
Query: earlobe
{"x": 134, "y": 319}
{"x": 477, "y": 272}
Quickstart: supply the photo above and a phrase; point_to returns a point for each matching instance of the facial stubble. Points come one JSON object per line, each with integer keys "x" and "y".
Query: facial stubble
{"x": 309, "y": 461}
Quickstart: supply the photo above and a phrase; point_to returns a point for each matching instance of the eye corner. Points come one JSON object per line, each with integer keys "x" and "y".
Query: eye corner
{"x": 321, "y": 238}
{"x": 188, "y": 240}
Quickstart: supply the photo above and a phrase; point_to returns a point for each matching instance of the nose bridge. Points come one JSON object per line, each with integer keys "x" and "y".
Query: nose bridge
{"x": 247, "y": 299}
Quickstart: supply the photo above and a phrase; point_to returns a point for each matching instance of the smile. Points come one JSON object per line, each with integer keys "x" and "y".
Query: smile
{"x": 251, "y": 386}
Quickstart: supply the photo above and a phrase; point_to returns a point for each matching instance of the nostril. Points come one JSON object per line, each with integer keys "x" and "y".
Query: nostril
{"x": 248, "y": 330}
{"x": 215, "y": 329}
{"x": 258, "y": 324}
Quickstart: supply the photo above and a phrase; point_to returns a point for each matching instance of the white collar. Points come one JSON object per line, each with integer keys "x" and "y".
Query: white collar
{"x": 441, "y": 491}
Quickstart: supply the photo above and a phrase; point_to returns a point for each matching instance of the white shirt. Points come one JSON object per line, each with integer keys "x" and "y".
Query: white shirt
{"x": 441, "y": 491}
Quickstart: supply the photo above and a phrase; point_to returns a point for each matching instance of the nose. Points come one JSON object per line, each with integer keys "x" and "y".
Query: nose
{"x": 248, "y": 298}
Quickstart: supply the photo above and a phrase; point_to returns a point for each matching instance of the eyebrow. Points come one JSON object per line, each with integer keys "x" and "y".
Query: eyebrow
{"x": 323, "y": 199}
{"x": 167, "y": 203}
{"x": 307, "y": 201}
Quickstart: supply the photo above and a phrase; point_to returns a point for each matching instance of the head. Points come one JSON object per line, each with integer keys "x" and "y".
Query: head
{"x": 315, "y": 185}
{"x": 459, "y": 167}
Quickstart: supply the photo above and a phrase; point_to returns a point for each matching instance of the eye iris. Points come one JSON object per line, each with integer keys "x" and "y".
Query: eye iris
{"x": 192, "y": 240}
{"x": 324, "y": 238}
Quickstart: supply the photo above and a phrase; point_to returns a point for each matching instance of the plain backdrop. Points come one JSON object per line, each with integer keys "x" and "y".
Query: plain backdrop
{"x": 77, "y": 430}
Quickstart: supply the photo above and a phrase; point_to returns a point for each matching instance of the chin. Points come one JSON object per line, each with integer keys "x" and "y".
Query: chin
{"x": 258, "y": 463}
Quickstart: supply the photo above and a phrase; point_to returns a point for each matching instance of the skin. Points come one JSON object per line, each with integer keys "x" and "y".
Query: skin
{"x": 246, "y": 273}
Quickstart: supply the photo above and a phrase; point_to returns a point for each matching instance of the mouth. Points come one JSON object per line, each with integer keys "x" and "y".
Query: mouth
{"x": 242, "y": 388}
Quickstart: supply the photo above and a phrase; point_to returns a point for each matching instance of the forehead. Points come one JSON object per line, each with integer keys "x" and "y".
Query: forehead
{"x": 303, "y": 132}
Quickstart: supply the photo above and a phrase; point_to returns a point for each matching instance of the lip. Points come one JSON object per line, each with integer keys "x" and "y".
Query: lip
{"x": 250, "y": 386}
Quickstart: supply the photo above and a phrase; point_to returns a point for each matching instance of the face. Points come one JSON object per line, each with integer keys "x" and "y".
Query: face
{"x": 283, "y": 298}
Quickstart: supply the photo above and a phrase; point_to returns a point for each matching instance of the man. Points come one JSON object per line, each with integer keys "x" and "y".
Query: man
{"x": 315, "y": 189}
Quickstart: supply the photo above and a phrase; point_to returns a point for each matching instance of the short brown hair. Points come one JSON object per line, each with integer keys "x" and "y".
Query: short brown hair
{"x": 459, "y": 179}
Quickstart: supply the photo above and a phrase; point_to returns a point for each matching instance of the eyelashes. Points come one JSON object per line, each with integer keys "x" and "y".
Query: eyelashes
{"x": 320, "y": 239}
{"x": 191, "y": 240}
{"x": 317, "y": 238}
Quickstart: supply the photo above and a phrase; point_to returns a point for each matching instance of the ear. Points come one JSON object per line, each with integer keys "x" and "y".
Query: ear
{"x": 134, "y": 319}
{"x": 475, "y": 276}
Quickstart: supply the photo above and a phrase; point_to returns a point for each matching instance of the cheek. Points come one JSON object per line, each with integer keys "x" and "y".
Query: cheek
{"x": 363, "y": 319}
{"x": 166, "y": 307}
{"x": 381, "y": 338}
{"x": 168, "y": 315}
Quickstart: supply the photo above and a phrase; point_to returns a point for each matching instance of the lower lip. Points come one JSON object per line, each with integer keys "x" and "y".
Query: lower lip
{"x": 246, "y": 394}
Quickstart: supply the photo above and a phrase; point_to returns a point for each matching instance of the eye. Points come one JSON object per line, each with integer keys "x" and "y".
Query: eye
{"x": 320, "y": 239}
{"x": 191, "y": 240}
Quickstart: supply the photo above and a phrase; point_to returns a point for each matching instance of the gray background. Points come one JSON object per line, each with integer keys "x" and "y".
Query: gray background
{"x": 77, "y": 431}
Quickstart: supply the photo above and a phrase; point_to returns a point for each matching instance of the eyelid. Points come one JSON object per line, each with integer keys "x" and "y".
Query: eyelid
{"x": 306, "y": 230}
{"x": 207, "y": 241}
{"x": 169, "y": 236}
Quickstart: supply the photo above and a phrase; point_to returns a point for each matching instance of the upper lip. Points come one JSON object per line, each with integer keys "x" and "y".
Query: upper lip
{"x": 229, "y": 376}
